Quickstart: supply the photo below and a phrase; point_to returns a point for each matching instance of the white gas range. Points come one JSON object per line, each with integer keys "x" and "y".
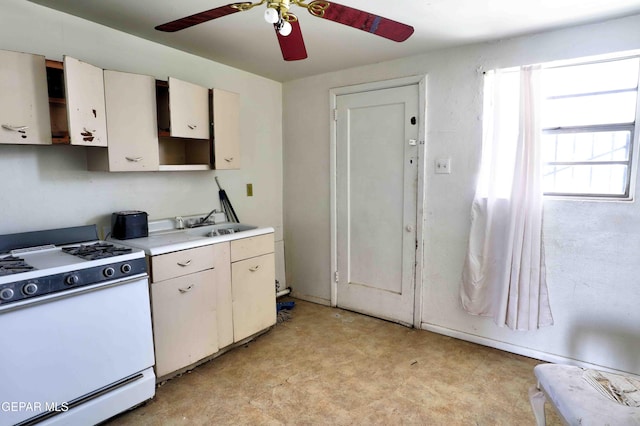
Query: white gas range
{"x": 75, "y": 317}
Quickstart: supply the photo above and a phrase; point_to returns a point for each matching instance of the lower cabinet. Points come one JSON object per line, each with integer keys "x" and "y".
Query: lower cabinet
{"x": 253, "y": 285}
{"x": 210, "y": 297}
{"x": 184, "y": 320}
{"x": 253, "y": 289}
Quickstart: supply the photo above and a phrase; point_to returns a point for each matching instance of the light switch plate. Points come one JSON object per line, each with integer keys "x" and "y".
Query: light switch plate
{"x": 443, "y": 166}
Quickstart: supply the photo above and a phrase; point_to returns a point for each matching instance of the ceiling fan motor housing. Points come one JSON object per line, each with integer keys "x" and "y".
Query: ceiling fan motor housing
{"x": 280, "y": 5}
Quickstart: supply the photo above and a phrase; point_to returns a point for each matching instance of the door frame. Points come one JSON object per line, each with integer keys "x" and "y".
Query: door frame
{"x": 421, "y": 81}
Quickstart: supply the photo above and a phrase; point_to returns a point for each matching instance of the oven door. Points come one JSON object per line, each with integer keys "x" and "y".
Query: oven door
{"x": 64, "y": 347}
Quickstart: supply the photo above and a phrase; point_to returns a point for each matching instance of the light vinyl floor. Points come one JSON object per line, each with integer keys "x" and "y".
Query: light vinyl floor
{"x": 327, "y": 366}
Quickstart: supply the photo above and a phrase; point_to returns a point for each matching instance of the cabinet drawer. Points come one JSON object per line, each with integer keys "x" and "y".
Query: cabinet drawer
{"x": 254, "y": 295}
{"x": 184, "y": 320}
{"x": 178, "y": 263}
{"x": 245, "y": 248}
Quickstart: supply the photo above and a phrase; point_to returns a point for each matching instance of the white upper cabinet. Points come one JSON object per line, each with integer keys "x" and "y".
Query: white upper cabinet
{"x": 226, "y": 129}
{"x": 24, "y": 106}
{"x": 84, "y": 85}
{"x": 132, "y": 125}
{"x": 188, "y": 109}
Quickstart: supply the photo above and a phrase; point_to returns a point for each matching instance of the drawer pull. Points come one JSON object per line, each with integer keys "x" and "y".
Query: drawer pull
{"x": 186, "y": 290}
{"x": 192, "y": 126}
{"x": 228, "y": 159}
{"x": 255, "y": 268}
{"x": 134, "y": 159}
{"x": 183, "y": 264}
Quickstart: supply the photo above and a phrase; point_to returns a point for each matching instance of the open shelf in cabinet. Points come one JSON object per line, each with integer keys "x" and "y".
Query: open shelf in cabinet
{"x": 184, "y": 154}
{"x": 57, "y": 102}
{"x": 162, "y": 101}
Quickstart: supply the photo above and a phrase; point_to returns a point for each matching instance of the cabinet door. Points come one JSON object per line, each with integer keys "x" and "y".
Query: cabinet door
{"x": 24, "y": 105}
{"x": 184, "y": 320}
{"x": 132, "y": 125}
{"x": 226, "y": 129}
{"x": 84, "y": 84}
{"x": 254, "y": 296}
{"x": 189, "y": 109}
{"x": 224, "y": 310}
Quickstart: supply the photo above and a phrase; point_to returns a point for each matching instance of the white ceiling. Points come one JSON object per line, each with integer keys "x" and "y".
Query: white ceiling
{"x": 244, "y": 40}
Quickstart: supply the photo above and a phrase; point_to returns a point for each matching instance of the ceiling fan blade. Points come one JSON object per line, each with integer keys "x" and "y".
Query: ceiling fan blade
{"x": 361, "y": 20}
{"x": 198, "y": 18}
{"x": 292, "y": 46}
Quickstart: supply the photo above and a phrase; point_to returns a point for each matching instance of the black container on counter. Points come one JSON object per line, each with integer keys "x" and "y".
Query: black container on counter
{"x": 129, "y": 224}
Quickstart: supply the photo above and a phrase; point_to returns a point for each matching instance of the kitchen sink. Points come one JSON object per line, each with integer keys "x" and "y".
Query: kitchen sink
{"x": 221, "y": 229}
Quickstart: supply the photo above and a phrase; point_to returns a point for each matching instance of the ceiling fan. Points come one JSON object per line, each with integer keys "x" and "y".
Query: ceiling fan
{"x": 287, "y": 26}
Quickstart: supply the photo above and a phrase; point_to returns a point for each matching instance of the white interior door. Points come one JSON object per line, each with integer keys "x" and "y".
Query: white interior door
{"x": 376, "y": 201}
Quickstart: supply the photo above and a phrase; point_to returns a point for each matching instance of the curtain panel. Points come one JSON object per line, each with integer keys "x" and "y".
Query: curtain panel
{"x": 504, "y": 272}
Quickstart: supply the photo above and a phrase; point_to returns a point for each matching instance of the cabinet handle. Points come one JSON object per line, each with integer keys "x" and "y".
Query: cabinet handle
{"x": 255, "y": 268}
{"x": 87, "y": 135}
{"x": 21, "y": 129}
{"x": 187, "y": 263}
{"x": 134, "y": 159}
{"x": 192, "y": 126}
{"x": 228, "y": 159}
{"x": 186, "y": 290}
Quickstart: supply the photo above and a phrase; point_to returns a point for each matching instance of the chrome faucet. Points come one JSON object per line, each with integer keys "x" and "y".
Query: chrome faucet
{"x": 204, "y": 219}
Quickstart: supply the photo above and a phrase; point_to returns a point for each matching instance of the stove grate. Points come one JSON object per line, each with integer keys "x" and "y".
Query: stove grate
{"x": 14, "y": 265}
{"x": 95, "y": 251}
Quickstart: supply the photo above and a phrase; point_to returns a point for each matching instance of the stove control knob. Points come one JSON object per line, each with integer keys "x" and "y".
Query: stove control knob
{"x": 125, "y": 268}
{"x": 109, "y": 272}
{"x": 72, "y": 280}
{"x": 6, "y": 294}
{"x": 30, "y": 289}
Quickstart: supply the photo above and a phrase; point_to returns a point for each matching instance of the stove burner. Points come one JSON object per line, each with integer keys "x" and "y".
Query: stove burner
{"x": 14, "y": 265}
{"x": 96, "y": 251}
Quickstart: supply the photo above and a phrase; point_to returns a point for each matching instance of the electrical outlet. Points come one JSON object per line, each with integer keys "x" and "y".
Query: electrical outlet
{"x": 249, "y": 190}
{"x": 443, "y": 166}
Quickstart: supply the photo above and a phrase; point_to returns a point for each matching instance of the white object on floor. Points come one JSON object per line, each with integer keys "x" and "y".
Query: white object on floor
{"x": 576, "y": 400}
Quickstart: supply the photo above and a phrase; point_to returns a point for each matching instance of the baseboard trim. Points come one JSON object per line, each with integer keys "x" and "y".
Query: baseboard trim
{"x": 312, "y": 299}
{"x": 515, "y": 349}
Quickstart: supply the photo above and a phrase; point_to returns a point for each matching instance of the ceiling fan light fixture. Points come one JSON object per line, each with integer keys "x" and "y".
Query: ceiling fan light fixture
{"x": 271, "y": 15}
{"x": 285, "y": 28}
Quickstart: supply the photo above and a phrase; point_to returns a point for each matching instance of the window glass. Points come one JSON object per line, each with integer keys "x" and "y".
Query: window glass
{"x": 591, "y": 146}
{"x": 589, "y": 114}
{"x": 608, "y": 108}
{"x": 590, "y": 78}
{"x": 585, "y": 179}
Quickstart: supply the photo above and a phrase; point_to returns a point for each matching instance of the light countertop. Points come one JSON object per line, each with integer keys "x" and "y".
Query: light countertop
{"x": 165, "y": 239}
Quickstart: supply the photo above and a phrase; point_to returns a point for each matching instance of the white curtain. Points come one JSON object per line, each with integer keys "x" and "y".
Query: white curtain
{"x": 504, "y": 272}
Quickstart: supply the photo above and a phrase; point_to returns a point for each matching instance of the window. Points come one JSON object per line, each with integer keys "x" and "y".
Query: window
{"x": 588, "y": 119}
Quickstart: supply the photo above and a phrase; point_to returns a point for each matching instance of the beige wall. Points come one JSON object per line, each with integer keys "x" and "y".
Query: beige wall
{"x": 592, "y": 274}
{"x": 47, "y": 187}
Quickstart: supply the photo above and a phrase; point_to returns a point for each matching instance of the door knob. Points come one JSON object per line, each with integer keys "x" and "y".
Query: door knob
{"x": 409, "y": 228}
